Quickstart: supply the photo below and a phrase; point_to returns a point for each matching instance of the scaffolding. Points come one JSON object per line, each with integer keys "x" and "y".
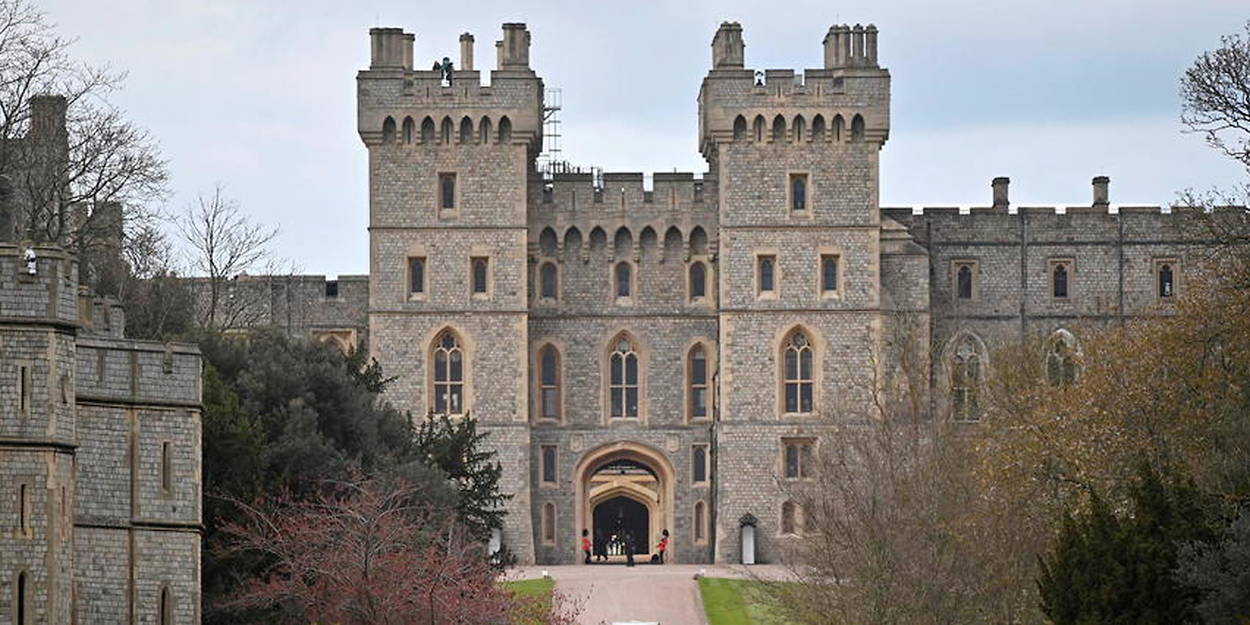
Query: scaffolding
{"x": 551, "y": 155}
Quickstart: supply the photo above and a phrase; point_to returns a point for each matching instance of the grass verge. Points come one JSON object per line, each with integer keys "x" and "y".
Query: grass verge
{"x": 734, "y": 601}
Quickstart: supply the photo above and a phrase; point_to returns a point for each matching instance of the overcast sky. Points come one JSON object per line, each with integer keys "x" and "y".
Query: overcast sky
{"x": 260, "y": 94}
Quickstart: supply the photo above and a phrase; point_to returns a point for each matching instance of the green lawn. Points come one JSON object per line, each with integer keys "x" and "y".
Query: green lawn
{"x": 734, "y": 601}
{"x": 531, "y": 587}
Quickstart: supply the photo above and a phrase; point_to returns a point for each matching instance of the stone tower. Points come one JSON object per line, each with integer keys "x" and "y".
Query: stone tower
{"x": 801, "y": 317}
{"x": 449, "y": 161}
{"x": 38, "y": 437}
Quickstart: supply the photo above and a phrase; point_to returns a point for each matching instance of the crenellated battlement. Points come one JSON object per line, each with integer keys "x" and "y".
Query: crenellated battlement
{"x": 38, "y": 282}
{"x": 848, "y": 96}
{"x": 402, "y": 104}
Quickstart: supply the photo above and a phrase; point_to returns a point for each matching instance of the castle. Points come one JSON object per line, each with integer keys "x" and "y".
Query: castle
{"x": 99, "y": 438}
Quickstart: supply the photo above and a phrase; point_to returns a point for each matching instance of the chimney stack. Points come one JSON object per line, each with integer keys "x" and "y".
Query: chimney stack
{"x": 999, "y": 185}
{"x": 514, "y": 49}
{"x": 727, "y": 47}
{"x": 466, "y": 52}
{"x": 857, "y": 45}
{"x": 831, "y": 41}
{"x": 870, "y": 45}
{"x": 390, "y": 48}
{"x": 1101, "y": 194}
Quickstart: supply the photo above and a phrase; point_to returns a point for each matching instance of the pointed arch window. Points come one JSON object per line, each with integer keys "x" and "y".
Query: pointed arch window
{"x": 388, "y": 130}
{"x": 965, "y": 383}
{"x": 828, "y": 273}
{"x": 549, "y": 382}
{"x": 797, "y": 374}
{"x": 697, "y": 385}
{"x": 798, "y": 192}
{"x": 766, "y": 270}
{"x": 698, "y": 280}
{"x": 548, "y": 281}
{"x": 1165, "y": 278}
{"x": 1062, "y": 359}
{"x": 698, "y": 464}
{"x": 623, "y": 386}
{"x": 166, "y": 608}
{"x": 448, "y": 383}
{"x": 1060, "y": 276}
{"x": 964, "y": 276}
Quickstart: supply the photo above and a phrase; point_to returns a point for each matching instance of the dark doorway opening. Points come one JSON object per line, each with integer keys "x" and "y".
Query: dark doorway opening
{"x": 620, "y": 517}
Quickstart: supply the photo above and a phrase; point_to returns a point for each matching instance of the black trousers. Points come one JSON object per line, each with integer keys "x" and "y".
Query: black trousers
{"x": 587, "y": 552}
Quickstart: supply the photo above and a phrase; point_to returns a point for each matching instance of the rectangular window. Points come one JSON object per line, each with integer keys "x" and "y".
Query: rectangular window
{"x": 766, "y": 274}
{"x": 828, "y": 273}
{"x": 963, "y": 277}
{"x": 416, "y": 275}
{"x": 797, "y": 457}
{"x": 167, "y": 467}
{"x": 332, "y": 288}
{"x": 480, "y": 268}
{"x": 23, "y": 390}
{"x": 698, "y": 464}
{"x": 446, "y": 192}
{"x": 798, "y": 191}
{"x": 549, "y": 464}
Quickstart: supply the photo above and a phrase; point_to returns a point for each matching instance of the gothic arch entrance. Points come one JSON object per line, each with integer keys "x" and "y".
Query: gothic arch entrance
{"x": 626, "y": 487}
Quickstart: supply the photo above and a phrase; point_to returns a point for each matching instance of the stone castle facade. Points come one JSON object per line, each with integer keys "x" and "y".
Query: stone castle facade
{"x": 99, "y": 444}
{"x": 675, "y": 352}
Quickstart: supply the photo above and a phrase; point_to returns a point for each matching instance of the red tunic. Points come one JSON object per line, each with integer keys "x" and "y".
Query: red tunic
{"x": 663, "y": 546}
{"x": 585, "y": 544}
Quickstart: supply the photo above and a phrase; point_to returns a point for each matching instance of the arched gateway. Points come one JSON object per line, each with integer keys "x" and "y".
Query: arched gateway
{"x": 625, "y": 487}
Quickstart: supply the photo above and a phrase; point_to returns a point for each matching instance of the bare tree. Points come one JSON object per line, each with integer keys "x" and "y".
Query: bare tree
{"x": 1215, "y": 94}
{"x": 221, "y": 245}
{"x": 65, "y": 150}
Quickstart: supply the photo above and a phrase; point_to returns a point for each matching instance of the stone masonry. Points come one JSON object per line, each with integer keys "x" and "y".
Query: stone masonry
{"x": 507, "y": 293}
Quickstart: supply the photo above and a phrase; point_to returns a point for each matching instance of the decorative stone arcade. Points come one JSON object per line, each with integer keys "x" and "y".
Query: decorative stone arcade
{"x": 625, "y": 487}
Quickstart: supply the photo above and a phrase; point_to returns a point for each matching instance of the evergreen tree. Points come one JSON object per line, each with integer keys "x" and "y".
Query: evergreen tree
{"x": 454, "y": 447}
{"x": 1110, "y": 568}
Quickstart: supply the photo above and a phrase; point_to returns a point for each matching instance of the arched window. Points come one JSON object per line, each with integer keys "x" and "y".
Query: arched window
{"x": 1059, "y": 281}
{"x": 759, "y": 128}
{"x": 448, "y": 383}
{"x": 839, "y": 126}
{"x": 445, "y": 132}
{"x": 797, "y": 374}
{"x": 388, "y": 131}
{"x": 697, "y": 385}
{"x": 766, "y": 270}
{"x": 791, "y": 521}
{"x": 549, "y": 523}
{"x": 700, "y": 522}
{"x": 481, "y": 275}
{"x": 798, "y": 192}
{"x": 818, "y": 128}
{"x": 1062, "y": 359}
{"x": 965, "y": 382}
{"x": 466, "y": 131}
{"x": 828, "y": 273}
{"x": 800, "y": 128}
{"x": 963, "y": 281}
{"x": 779, "y": 128}
{"x": 740, "y": 128}
{"x": 427, "y": 131}
{"x": 165, "y": 608}
{"x": 483, "y": 129}
{"x": 623, "y": 379}
{"x": 1167, "y": 285}
{"x": 623, "y": 282}
{"x": 410, "y": 129}
{"x": 21, "y": 599}
{"x": 698, "y": 464}
{"x": 505, "y": 130}
{"x": 857, "y": 128}
{"x": 167, "y": 466}
{"x": 698, "y": 280}
{"x": 548, "y": 281}
{"x": 549, "y": 382}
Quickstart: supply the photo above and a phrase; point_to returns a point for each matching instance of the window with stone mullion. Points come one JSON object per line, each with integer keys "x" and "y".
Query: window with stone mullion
{"x": 448, "y": 377}
{"x": 623, "y": 387}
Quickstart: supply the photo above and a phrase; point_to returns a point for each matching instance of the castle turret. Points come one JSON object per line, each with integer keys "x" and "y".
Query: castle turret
{"x": 796, "y": 160}
{"x": 449, "y": 164}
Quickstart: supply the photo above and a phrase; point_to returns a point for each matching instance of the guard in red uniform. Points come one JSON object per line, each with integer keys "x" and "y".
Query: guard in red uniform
{"x": 663, "y": 546}
{"x": 586, "y": 544}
